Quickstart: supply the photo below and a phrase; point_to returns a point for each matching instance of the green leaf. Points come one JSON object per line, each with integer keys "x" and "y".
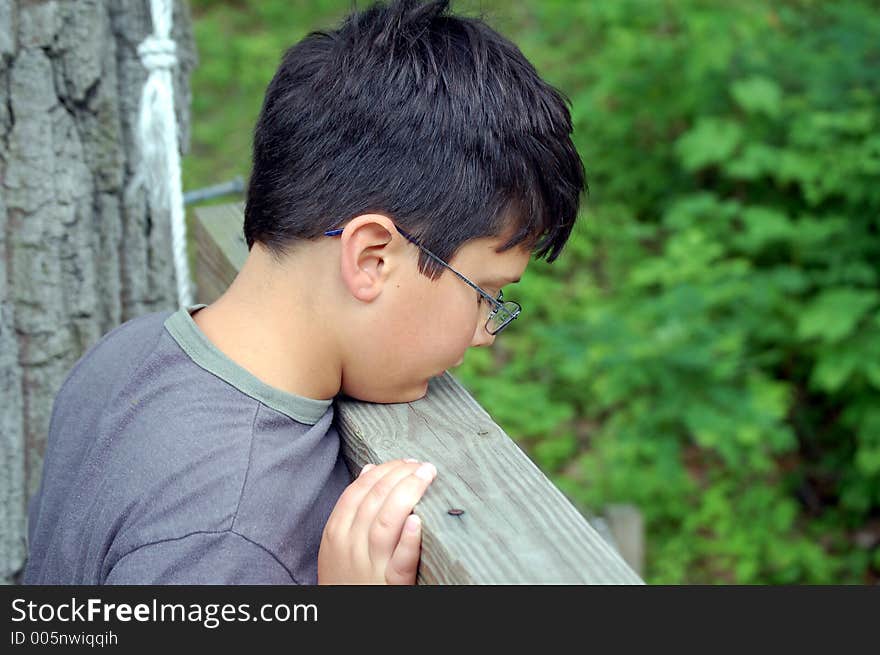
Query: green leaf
{"x": 834, "y": 313}
{"x": 552, "y": 453}
{"x": 710, "y": 141}
{"x": 758, "y": 95}
{"x": 868, "y": 460}
{"x": 756, "y": 160}
{"x": 763, "y": 226}
{"x": 833, "y": 369}
{"x": 872, "y": 372}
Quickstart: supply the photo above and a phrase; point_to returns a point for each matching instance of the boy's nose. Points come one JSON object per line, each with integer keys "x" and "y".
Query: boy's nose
{"x": 482, "y": 336}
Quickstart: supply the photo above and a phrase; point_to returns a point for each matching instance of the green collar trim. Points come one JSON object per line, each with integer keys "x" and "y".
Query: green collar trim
{"x": 204, "y": 353}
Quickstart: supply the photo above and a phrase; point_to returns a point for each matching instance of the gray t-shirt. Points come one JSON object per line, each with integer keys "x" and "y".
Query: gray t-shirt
{"x": 168, "y": 463}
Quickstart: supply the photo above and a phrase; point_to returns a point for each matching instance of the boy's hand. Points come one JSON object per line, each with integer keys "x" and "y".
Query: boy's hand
{"x": 368, "y": 538}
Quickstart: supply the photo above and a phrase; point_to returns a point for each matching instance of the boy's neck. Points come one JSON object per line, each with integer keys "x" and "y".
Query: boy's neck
{"x": 271, "y": 325}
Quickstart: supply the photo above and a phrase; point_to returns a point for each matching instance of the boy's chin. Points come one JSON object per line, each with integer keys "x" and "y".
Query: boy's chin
{"x": 416, "y": 392}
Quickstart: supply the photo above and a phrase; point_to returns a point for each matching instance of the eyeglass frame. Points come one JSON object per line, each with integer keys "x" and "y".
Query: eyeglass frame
{"x": 495, "y": 303}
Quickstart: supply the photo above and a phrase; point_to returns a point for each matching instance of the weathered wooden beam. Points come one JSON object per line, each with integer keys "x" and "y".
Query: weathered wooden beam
{"x": 516, "y": 526}
{"x": 220, "y": 248}
{"x": 491, "y": 516}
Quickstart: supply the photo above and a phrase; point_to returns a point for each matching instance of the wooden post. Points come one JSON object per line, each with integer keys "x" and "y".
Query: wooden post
{"x": 491, "y": 516}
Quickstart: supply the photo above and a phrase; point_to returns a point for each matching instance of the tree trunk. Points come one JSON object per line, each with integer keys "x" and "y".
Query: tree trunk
{"x": 77, "y": 256}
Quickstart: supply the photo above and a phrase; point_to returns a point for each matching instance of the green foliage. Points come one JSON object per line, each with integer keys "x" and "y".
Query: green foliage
{"x": 240, "y": 45}
{"x": 708, "y": 345}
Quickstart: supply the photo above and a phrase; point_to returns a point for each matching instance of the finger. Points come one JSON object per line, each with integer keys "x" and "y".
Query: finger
{"x": 384, "y": 530}
{"x": 385, "y": 475}
{"x": 404, "y": 563}
{"x": 359, "y": 530}
{"x": 340, "y": 519}
{"x": 367, "y": 467}
{"x": 372, "y": 500}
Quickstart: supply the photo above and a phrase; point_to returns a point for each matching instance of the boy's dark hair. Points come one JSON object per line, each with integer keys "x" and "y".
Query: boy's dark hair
{"x": 435, "y": 120}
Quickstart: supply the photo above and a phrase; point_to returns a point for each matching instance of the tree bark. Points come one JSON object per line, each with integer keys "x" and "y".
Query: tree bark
{"x": 78, "y": 256}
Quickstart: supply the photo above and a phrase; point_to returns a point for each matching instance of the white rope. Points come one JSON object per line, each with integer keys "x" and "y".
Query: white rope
{"x": 157, "y": 137}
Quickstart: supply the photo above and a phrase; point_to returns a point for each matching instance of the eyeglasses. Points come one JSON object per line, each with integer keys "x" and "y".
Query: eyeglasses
{"x": 502, "y": 311}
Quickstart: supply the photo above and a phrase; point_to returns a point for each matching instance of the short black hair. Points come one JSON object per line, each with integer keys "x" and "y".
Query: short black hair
{"x": 435, "y": 120}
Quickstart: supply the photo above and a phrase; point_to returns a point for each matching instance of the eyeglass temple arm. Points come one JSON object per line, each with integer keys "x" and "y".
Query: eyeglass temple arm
{"x": 495, "y": 303}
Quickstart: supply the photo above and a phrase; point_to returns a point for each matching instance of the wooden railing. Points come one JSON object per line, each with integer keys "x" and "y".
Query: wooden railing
{"x": 491, "y": 516}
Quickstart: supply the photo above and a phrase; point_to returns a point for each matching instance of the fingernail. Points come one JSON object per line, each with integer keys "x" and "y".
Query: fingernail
{"x": 367, "y": 468}
{"x": 426, "y": 471}
{"x": 413, "y": 523}
{"x": 411, "y": 460}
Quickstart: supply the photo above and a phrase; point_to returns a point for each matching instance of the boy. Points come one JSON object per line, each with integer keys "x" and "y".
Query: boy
{"x": 198, "y": 446}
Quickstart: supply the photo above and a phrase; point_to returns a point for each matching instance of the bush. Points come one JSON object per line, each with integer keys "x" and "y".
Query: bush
{"x": 709, "y": 346}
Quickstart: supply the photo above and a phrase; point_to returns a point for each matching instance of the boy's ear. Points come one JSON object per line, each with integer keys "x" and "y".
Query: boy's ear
{"x": 369, "y": 253}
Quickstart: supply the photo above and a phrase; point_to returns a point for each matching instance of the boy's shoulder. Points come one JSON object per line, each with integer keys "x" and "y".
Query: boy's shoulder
{"x": 153, "y": 458}
{"x": 134, "y": 339}
{"x": 95, "y": 378}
